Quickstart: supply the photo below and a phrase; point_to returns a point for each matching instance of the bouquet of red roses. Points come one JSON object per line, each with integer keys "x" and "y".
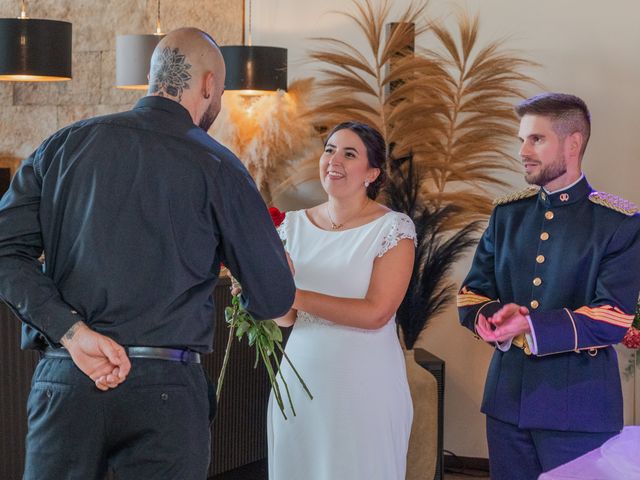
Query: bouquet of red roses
{"x": 265, "y": 336}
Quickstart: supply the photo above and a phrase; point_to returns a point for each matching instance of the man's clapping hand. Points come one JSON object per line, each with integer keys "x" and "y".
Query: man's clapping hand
{"x": 97, "y": 356}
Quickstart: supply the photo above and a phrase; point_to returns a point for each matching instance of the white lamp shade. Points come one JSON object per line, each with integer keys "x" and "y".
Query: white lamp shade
{"x": 133, "y": 58}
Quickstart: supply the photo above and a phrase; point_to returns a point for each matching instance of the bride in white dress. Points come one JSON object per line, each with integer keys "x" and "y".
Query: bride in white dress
{"x": 353, "y": 260}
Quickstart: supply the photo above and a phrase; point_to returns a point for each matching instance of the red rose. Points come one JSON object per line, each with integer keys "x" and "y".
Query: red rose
{"x": 632, "y": 338}
{"x": 277, "y": 216}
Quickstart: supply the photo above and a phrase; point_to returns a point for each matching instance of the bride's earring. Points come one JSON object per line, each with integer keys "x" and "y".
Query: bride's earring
{"x": 366, "y": 183}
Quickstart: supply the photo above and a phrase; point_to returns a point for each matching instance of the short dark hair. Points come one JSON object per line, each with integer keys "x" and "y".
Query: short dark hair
{"x": 568, "y": 113}
{"x": 376, "y": 151}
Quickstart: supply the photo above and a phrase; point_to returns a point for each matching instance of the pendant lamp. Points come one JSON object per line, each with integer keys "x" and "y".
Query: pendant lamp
{"x": 254, "y": 69}
{"x": 133, "y": 57}
{"x": 34, "y": 50}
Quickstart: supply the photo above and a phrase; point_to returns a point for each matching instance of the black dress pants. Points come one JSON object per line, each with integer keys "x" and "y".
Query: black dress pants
{"x": 155, "y": 425}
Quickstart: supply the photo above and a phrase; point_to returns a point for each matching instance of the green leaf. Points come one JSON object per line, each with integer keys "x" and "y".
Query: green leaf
{"x": 278, "y": 335}
{"x": 267, "y": 344}
{"x": 273, "y": 330}
{"x": 252, "y": 335}
{"x": 242, "y": 329}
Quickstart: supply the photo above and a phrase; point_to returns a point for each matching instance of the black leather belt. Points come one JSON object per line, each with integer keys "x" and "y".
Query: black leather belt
{"x": 156, "y": 353}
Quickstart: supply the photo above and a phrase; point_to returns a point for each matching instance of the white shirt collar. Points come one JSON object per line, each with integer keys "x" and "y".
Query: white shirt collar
{"x": 565, "y": 188}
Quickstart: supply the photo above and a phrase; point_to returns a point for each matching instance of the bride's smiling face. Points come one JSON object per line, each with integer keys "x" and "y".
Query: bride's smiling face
{"x": 344, "y": 165}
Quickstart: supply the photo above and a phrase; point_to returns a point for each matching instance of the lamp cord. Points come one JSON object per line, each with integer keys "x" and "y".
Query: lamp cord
{"x": 249, "y": 42}
{"x": 246, "y": 32}
{"x": 158, "y": 27}
{"x": 244, "y": 8}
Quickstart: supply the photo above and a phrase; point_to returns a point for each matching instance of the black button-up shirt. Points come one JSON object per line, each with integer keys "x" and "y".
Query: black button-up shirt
{"x": 135, "y": 212}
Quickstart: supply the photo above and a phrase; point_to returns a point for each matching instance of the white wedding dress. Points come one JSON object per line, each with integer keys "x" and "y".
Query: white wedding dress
{"x": 357, "y": 426}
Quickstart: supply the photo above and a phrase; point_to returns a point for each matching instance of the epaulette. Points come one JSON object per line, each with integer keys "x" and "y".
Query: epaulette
{"x": 614, "y": 203}
{"x": 515, "y": 196}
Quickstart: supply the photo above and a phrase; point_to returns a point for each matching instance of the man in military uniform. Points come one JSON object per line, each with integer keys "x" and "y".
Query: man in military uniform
{"x": 553, "y": 285}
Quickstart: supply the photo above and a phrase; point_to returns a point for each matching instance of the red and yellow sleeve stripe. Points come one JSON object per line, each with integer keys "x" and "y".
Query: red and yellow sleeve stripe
{"x": 467, "y": 298}
{"x": 607, "y": 314}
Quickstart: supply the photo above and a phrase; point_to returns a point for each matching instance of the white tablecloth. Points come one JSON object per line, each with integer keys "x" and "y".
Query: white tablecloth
{"x": 617, "y": 459}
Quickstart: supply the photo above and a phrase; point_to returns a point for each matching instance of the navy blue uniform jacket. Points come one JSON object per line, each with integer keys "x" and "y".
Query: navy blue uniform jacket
{"x": 573, "y": 259}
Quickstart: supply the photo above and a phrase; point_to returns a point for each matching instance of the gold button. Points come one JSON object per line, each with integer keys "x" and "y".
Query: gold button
{"x": 537, "y": 282}
{"x": 548, "y": 215}
{"x": 544, "y": 236}
{"x": 540, "y": 259}
{"x": 534, "y": 304}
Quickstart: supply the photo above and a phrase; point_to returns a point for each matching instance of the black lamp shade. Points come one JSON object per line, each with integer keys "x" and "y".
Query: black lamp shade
{"x": 255, "y": 67}
{"x": 34, "y": 50}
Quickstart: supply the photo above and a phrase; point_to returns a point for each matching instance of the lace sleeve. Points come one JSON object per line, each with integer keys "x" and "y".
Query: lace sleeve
{"x": 282, "y": 229}
{"x": 400, "y": 227}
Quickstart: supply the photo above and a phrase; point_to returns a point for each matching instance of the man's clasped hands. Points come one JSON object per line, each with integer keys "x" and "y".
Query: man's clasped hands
{"x": 507, "y": 323}
{"x": 99, "y": 357}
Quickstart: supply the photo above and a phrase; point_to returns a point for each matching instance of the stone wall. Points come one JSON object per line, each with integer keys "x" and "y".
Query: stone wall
{"x": 30, "y": 112}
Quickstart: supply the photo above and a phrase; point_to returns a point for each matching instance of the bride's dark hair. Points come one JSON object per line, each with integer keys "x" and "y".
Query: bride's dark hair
{"x": 376, "y": 151}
